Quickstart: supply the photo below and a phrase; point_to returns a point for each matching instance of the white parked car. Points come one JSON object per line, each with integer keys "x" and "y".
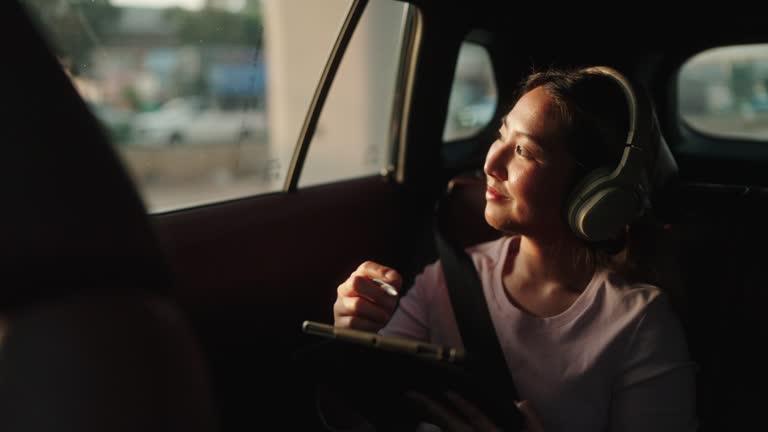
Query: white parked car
{"x": 190, "y": 121}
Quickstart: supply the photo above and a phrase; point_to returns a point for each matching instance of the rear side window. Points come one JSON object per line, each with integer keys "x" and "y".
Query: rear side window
{"x": 353, "y": 136}
{"x": 204, "y": 99}
{"x": 474, "y": 97}
{"x": 723, "y": 92}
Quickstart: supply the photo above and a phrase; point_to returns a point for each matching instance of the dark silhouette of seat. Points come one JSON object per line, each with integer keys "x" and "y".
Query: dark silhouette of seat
{"x": 90, "y": 338}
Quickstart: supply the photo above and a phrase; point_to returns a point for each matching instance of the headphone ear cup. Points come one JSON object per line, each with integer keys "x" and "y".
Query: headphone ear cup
{"x": 580, "y": 194}
{"x": 601, "y": 207}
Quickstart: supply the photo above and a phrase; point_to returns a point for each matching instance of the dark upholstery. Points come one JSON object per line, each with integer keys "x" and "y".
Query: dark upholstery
{"x": 110, "y": 363}
{"x": 90, "y": 340}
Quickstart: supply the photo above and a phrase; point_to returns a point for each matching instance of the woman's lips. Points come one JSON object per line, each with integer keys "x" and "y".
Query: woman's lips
{"x": 492, "y": 194}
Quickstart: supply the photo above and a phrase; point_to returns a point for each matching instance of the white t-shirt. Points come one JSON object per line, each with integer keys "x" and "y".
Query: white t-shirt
{"x": 615, "y": 360}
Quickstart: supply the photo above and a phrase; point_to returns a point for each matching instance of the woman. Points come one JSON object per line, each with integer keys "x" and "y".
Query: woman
{"x": 588, "y": 349}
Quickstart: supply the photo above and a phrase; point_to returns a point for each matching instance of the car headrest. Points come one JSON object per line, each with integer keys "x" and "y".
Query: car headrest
{"x": 461, "y": 211}
{"x": 664, "y": 174}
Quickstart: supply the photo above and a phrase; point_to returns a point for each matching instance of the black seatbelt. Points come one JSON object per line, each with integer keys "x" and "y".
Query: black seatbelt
{"x": 484, "y": 355}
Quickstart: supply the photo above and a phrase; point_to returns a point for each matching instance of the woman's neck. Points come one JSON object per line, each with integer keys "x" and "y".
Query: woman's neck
{"x": 545, "y": 278}
{"x": 561, "y": 261}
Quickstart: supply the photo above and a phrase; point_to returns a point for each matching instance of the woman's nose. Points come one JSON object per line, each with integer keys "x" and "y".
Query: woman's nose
{"x": 495, "y": 163}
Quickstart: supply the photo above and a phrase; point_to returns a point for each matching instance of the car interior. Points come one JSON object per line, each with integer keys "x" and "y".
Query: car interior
{"x": 119, "y": 319}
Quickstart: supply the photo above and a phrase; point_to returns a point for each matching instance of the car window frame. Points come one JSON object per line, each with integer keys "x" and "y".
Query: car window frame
{"x": 406, "y": 71}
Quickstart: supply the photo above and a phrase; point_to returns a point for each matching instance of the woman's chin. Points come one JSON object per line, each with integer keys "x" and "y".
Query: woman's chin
{"x": 499, "y": 222}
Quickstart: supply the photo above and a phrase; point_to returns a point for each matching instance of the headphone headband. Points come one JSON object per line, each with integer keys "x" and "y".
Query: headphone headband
{"x": 626, "y": 88}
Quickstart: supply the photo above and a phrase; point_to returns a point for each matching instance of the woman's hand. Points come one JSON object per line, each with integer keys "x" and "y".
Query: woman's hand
{"x": 464, "y": 416}
{"x": 363, "y": 304}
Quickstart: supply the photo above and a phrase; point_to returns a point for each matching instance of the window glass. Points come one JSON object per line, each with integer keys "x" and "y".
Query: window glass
{"x": 204, "y": 99}
{"x": 723, "y": 92}
{"x": 473, "y": 95}
{"x": 353, "y": 132}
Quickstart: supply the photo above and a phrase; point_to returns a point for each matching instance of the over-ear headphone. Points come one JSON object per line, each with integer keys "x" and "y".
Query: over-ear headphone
{"x": 606, "y": 200}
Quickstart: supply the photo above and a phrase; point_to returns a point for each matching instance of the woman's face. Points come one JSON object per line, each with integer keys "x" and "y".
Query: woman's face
{"x": 527, "y": 169}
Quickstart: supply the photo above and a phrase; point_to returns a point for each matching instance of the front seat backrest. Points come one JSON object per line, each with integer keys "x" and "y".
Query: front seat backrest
{"x": 109, "y": 363}
{"x": 90, "y": 341}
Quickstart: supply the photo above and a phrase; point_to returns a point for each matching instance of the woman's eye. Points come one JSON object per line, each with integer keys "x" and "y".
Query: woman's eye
{"x": 521, "y": 151}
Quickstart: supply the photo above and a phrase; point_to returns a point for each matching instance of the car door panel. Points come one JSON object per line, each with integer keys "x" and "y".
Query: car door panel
{"x": 250, "y": 271}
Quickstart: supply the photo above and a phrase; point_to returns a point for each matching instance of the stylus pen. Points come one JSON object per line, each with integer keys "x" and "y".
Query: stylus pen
{"x": 387, "y": 287}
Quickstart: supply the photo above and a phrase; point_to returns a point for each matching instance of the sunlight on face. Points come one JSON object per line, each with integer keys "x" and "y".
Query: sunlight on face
{"x": 527, "y": 168}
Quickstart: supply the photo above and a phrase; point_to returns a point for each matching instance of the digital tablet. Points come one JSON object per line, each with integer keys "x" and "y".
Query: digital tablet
{"x": 376, "y": 371}
{"x": 424, "y": 350}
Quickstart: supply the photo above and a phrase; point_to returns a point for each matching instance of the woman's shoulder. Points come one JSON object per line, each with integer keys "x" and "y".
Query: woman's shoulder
{"x": 631, "y": 296}
{"x": 654, "y": 339}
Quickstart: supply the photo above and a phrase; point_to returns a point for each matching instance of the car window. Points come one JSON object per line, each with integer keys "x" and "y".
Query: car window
{"x": 204, "y": 99}
{"x": 353, "y": 135}
{"x": 473, "y": 95}
{"x": 723, "y": 92}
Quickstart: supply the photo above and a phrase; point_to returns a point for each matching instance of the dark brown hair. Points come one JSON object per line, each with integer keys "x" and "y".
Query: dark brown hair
{"x": 595, "y": 111}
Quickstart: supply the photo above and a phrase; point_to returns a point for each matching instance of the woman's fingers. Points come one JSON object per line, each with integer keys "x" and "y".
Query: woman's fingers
{"x": 361, "y": 286}
{"x": 361, "y": 307}
{"x": 357, "y": 323}
{"x": 360, "y": 296}
{"x": 372, "y": 270}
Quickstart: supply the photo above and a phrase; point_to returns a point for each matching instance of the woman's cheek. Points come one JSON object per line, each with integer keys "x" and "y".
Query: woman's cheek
{"x": 546, "y": 194}
{"x": 522, "y": 182}
{"x": 519, "y": 177}
{"x": 537, "y": 193}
